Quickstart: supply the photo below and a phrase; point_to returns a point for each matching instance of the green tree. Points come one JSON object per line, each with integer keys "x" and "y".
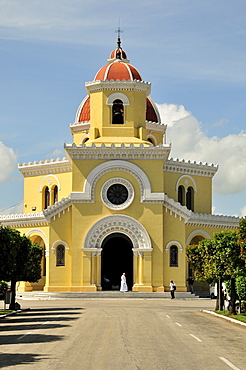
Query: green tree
{"x": 3, "y": 288}
{"x": 219, "y": 258}
{"x": 242, "y": 236}
{"x": 241, "y": 287}
{"x": 20, "y": 260}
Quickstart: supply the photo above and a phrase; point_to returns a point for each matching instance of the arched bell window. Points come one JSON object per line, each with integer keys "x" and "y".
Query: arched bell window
{"x": 181, "y": 195}
{"x": 118, "y": 112}
{"x": 190, "y": 198}
{"x": 46, "y": 197}
{"x": 55, "y": 194}
{"x": 60, "y": 255}
{"x": 173, "y": 256}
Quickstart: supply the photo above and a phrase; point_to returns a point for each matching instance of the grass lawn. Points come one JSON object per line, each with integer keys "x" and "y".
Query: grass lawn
{"x": 239, "y": 316}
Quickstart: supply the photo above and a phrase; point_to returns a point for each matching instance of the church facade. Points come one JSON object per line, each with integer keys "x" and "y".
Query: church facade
{"x": 117, "y": 202}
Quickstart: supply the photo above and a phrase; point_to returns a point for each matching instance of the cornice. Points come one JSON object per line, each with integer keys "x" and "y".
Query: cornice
{"x": 100, "y": 85}
{"x": 190, "y": 167}
{"x": 158, "y": 127}
{"x": 176, "y": 208}
{"x": 218, "y": 221}
{"x": 59, "y": 208}
{"x": 122, "y": 151}
{"x": 45, "y": 167}
{"x": 79, "y": 126}
{"x": 199, "y": 219}
{"x": 24, "y": 220}
{"x": 151, "y": 126}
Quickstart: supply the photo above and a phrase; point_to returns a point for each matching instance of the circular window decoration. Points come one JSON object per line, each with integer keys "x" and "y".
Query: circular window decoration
{"x": 117, "y": 193}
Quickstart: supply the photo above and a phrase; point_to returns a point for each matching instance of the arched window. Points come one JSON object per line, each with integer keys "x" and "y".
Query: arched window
{"x": 118, "y": 112}
{"x": 55, "y": 194}
{"x": 181, "y": 195}
{"x": 173, "y": 256}
{"x": 85, "y": 140}
{"x": 151, "y": 140}
{"x": 190, "y": 198}
{"x": 60, "y": 255}
{"x": 46, "y": 197}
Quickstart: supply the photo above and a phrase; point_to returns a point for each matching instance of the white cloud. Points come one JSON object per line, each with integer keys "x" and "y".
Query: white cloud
{"x": 56, "y": 153}
{"x": 8, "y": 161}
{"x": 220, "y": 123}
{"x": 190, "y": 142}
{"x": 170, "y": 113}
{"x": 243, "y": 211}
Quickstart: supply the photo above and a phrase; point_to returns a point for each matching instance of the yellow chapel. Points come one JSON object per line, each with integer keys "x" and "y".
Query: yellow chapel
{"x": 118, "y": 202}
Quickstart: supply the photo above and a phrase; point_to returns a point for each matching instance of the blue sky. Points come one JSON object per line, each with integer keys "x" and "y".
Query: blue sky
{"x": 193, "y": 52}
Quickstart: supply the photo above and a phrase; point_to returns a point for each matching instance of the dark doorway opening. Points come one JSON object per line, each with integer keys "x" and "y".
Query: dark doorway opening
{"x": 117, "y": 257}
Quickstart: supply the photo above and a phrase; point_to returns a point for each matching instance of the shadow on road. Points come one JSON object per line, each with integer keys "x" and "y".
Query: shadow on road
{"x": 32, "y": 327}
{"x": 56, "y": 309}
{"x": 51, "y": 311}
{"x": 31, "y": 338}
{"x": 12, "y": 359}
{"x": 23, "y": 319}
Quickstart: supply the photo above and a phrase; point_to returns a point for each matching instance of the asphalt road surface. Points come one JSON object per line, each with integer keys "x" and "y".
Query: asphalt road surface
{"x": 120, "y": 334}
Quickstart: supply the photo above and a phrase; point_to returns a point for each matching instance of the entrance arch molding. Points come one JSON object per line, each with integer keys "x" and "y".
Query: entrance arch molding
{"x": 197, "y": 232}
{"x": 117, "y": 224}
{"x": 40, "y": 233}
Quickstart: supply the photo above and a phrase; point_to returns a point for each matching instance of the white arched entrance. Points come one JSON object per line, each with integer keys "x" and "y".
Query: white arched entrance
{"x": 127, "y": 227}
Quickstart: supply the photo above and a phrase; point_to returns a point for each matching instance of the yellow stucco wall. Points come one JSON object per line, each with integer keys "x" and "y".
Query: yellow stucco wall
{"x": 202, "y": 189}
{"x": 34, "y": 185}
{"x": 69, "y": 225}
{"x": 101, "y": 115}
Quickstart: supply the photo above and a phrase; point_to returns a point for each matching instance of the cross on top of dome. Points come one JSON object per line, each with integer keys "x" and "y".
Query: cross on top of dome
{"x": 119, "y": 31}
{"x": 118, "y": 53}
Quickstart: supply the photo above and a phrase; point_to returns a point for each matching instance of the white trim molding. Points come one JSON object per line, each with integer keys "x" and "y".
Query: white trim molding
{"x": 135, "y": 85}
{"x": 190, "y": 178}
{"x": 46, "y": 167}
{"x": 39, "y": 233}
{"x": 143, "y": 151}
{"x": 119, "y": 165}
{"x": 117, "y": 95}
{"x": 123, "y": 224}
{"x": 152, "y": 137}
{"x": 174, "y": 242}
{"x": 83, "y": 137}
{"x": 55, "y": 177}
{"x": 197, "y": 232}
{"x": 58, "y": 242}
{"x": 126, "y": 184}
{"x": 190, "y": 167}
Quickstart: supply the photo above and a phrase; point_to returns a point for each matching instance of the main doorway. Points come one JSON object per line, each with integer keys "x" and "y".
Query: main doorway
{"x": 116, "y": 257}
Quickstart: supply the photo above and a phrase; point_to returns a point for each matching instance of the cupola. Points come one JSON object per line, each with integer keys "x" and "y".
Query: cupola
{"x": 118, "y": 106}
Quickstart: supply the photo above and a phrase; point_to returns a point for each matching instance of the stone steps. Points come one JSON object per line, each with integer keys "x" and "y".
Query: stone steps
{"x": 106, "y": 295}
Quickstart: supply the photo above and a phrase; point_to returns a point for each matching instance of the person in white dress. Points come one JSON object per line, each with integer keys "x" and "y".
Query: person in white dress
{"x": 123, "y": 284}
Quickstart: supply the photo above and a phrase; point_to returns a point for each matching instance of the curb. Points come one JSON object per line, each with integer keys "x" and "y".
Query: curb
{"x": 13, "y": 313}
{"x": 225, "y": 317}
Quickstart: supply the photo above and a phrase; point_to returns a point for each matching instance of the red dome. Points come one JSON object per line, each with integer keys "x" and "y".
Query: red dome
{"x": 118, "y": 71}
{"x": 150, "y": 112}
{"x": 84, "y": 114}
{"x": 118, "y": 53}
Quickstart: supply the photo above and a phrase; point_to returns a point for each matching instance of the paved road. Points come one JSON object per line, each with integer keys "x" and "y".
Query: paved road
{"x": 121, "y": 334}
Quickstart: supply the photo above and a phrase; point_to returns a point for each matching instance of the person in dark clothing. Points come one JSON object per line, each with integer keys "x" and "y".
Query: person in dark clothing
{"x": 190, "y": 281}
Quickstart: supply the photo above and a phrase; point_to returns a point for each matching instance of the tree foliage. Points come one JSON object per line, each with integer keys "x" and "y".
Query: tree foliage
{"x": 241, "y": 287}
{"x": 220, "y": 258}
{"x": 20, "y": 260}
{"x": 242, "y": 236}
